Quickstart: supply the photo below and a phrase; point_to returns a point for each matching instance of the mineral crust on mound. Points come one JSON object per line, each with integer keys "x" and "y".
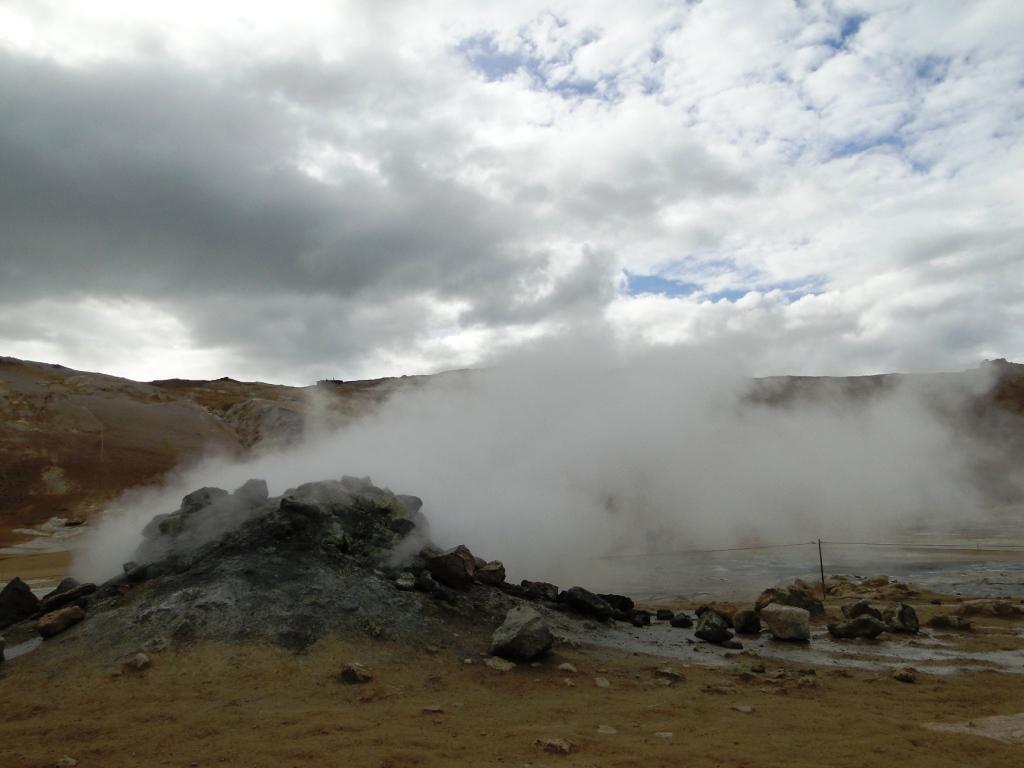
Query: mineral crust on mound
{"x": 328, "y": 557}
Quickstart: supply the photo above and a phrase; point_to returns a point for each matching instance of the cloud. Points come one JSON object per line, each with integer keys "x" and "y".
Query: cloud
{"x": 370, "y": 188}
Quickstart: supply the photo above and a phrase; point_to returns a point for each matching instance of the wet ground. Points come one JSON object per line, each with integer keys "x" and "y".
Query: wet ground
{"x": 933, "y": 652}
{"x": 977, "y": 569}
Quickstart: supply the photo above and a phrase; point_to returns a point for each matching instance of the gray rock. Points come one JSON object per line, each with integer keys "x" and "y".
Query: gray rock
{"x": 902, "y": 618}
{"x": 622, "y": 606}
{"x": 746, "y": 622}
{"x": 65, "y": 584}
{"x": 712, "y": 628}
{"x": 253, "y": 492}
{"x": 787, "y": 622}
{"x": 492, "y": 573}
{"x": 201, "y": 499}
{"x": 861, "y": 608}
{"x": 640, "y": 618}
{"x": 681, "y": 621}
{"x": 455, "y": 567}
{"x": 798, "y": 595}
{"x": 664, "y": 614}
{"x": 405, "y": 581}
{"x": 864, "y": 626}
{"x": 539, "y": 590}
{"x": 354, "y": 674}
{"x": 949, "y": 621}
{"x": 586, "y": 602}
{"x": 523, "y": 636}
{"x": 60, "y": 620}
{"x": 54, "y": 601}
{"x": 17, "y": 602}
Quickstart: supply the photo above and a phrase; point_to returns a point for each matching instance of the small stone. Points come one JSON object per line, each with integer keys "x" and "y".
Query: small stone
{"x": 807, "y": 682}
{"x": 405, "y": 581}
{"x": 664, "y": 614}
{"x": 66, "y": 762}
{"x": 663, "y": 734}
{"x": 557, "y": 746}
{"x": 602, "y": 682}
{"x": 745, "y": 709}
{"x": 905, "y": 675}
{"x": 354, "y": 674}
{"x": 757, "y": 669}
{"x": 668, "y": 673}
{"x": 949, "y": 621}
{"x": 681, "y": 621}
{"x": 499, "y": 664}
{"x": 435, "y": 710}
{"x": 565, "y": 666}
{"x": 137, "y": 663}
{"x": 606, "y": 730}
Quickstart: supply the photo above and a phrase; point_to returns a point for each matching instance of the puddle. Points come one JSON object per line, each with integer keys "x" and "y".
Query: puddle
{"x": 55, "y": 535}
{"x": 927, "y": 652}
{"x": 1008, "y": 729}
{"x": 20, "y": 649}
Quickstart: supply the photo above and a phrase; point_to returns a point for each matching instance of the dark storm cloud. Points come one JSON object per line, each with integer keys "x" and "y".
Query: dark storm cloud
{"x": 149, "y": 182}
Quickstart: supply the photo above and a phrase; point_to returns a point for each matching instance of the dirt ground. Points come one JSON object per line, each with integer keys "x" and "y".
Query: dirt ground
{"x": 253, "y": 706}
{"x": 218, "y": 705}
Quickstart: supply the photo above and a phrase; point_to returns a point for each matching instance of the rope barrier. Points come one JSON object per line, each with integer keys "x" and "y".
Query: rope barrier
{"x": 901, "y": 545}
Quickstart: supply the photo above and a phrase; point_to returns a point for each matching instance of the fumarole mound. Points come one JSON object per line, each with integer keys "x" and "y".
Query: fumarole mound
{"x": 330, "y": 557}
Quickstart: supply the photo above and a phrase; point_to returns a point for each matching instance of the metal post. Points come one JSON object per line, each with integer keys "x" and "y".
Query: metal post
{"x": 821, "y": 564}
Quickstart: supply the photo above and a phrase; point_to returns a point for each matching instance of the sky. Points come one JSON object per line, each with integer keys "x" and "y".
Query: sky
{"x": 297, "y": 191}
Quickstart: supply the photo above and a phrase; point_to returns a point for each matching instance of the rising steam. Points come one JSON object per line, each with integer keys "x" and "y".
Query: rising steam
{"x": 547, "y": 462}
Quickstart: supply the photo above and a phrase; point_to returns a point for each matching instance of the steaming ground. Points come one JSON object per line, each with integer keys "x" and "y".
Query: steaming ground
{"x": 549, "y": 463}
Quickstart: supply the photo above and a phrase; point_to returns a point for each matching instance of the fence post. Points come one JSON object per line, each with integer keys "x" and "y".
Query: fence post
{"x": 821, "y": 565}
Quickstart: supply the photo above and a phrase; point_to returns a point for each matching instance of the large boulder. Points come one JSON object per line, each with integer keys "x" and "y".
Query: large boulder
{"x": 54, "y": 623}
{"x": 787, "y": 622}
{"x": 798, "y": 595}
{"x": 523, "y": 636}
{"x": 712, "y": 628}
{"x": 17, "y": 602}
{"x": 455, "y": 567}
{"x": 902, "y": 618}
{"x": 864, "y": 625}
{"x": 587, "y": 603}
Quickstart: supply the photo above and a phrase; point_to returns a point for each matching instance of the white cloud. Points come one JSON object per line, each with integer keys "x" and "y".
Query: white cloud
{"x": 870, "y": 151}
